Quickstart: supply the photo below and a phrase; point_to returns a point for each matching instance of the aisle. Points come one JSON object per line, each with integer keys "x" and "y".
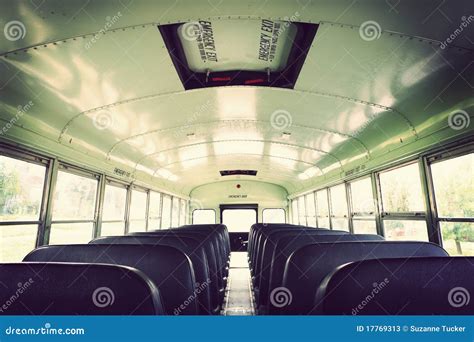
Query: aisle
{"x": 238, "y": 300}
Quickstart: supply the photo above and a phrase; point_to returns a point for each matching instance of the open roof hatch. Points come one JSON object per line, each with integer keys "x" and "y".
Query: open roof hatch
{"x": 209, "y": 53}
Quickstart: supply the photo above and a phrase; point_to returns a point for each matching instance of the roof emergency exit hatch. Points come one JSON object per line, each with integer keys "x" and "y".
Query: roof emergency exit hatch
{"x": 263, "y": 52}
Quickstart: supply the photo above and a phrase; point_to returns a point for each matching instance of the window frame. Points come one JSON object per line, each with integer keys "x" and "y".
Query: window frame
{"x": 160, "y": 210}
{"x": 112, "y": 182}
{"x": 274, "y": 208}
{"x": 163, "y": 196}
{"x": 302, "y": 215}
{"x": 294, "y": 211}
{"x": 313, "y": 195}
{"x": 332, "y": 216}
{"x": 328, "y": 206}
{"x": 39, "y": 160}
{"x": 28, "y": 158}
{"x": 214, "y": 210}
{"x": 408, "y": 215}
{"x": 434, "y": 223}
{"x": 412, "y": 215}
{"x": 147, "y": 204}
{"x": 183, "y": 206}
{"x": 80, "y": 172}
{"x": 362, "y": 216}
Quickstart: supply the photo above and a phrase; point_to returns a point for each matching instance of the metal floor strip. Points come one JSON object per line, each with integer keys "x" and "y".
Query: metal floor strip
{"x": 239, "y": 300}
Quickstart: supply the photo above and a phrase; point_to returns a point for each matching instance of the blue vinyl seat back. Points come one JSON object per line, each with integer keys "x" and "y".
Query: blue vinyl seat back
{"x": 276, "y": 257}
{"x": 307, "y": 266}
{"x": 37, "y": 288}
{"x": 415, "y": 286}
{"x": 209, "y": 245}
{"x": 169, "y": 268}
{"x": 267, "y": 240}
{"x": 189, "y": 246}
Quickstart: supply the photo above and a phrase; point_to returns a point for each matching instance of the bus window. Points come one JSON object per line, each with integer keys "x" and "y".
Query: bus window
{"x": 166, "y": 212}
{"x": 175, "y": 212}
{"x": 402, "y": 201}
{"x": 323, "y": 209}
{"x": 310, "y": 210}
{"x": 273, "y": 215}
{"x": 454, "y": 193}
{"x": 138, "y": 211}
{"x": 294, "y": 211}
{"x": 154, "y": 211}
{"x": 301, "y": 211}
{"x": 401, "y": 190}
{"x": 405, "y": 230}
{"x": 239, "y": 220}
{"x": 73, "y": 209}
{"x": 204, "y": 216}
{"x": 113, "y": 214}
{"x": 182, "y": 212}
{"x": 21, "y": 185}
{"x": 363, "y": 207}
{"x": 339, "y": 207}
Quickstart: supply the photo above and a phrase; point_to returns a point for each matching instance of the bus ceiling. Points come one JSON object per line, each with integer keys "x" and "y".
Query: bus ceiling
{"x": 304, "y": 93}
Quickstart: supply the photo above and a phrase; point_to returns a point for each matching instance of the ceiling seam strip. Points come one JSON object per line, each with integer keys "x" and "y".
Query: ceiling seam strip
{"x": 238, "y": 140}
{"x": 73, "y": 38}
{"x": 143, "y": 25}
{"x": 114, "y": 146}
{"x": 231, "y": 154}
{"x": 366, "y": 103}
{"x": 146, "y": 97}
{"x": 396, "y": 33}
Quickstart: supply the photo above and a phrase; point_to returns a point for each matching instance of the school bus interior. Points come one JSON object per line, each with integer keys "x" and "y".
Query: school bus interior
{"x": 236, "y": 157}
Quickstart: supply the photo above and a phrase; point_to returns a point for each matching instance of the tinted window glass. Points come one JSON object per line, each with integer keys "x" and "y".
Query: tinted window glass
{"x": 401, "y": 190}
{"x": 273, "y": 216}
{"x": 74, "y": 197}
{"x": 454, "y": 186}
{"x": 21, "y": 185}
{"x": 204, "y": 216}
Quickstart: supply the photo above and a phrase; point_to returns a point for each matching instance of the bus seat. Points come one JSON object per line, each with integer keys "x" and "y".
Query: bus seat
{"x": 169, "y": 268}
{"x": 270, "y": 235}
{"x": 211, "y": 247}
{"x": 191, "y": 247}
{"x": 274, "y": 259}
{"x": 307, "y": 266}
{"x": 37, "y": 288}
{"x": 413, "y": 286}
